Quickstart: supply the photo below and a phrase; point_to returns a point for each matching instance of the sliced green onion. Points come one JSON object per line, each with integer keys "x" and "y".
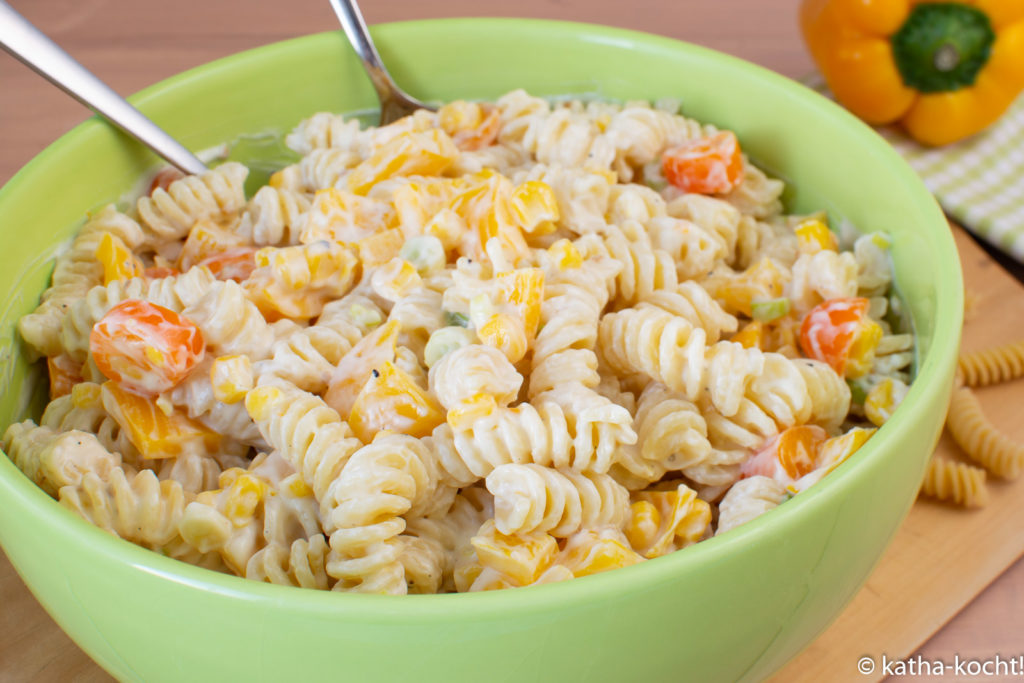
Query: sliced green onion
{"x": 858, "y": 390}
{"x": 767, "y": 310}
{"x": 364, "y": 317}
{"x": 444, "y": 341}
{"x": 480, "y": 310}
{"x": 453, "y": 319}
{"x": 425, "y": 252}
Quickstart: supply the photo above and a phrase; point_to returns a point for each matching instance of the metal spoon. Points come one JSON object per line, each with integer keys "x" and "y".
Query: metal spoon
{"x": 28, "y": 44}
{"x": 394, "y": 102}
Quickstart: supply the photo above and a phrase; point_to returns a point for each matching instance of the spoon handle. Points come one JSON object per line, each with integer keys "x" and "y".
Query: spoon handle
{"x": 355, "y": 28}
{"x": 28, "y": 44}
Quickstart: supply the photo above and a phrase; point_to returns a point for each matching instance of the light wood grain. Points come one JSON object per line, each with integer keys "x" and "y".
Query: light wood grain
{"x": 134, "y": 44}
{"x": 943, "y": 557}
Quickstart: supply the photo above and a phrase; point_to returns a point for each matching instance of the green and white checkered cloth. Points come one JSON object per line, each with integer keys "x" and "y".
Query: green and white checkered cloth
{"x": 978, "y": 181}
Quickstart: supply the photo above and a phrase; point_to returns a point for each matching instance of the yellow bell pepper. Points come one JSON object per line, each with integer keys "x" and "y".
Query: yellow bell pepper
{"x": 942, "y": 70}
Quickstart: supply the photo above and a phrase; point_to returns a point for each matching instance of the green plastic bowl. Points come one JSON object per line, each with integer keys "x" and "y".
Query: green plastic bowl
{"x": 733, "y": 607}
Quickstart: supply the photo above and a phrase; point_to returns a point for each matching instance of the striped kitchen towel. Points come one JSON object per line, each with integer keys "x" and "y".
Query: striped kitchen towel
{"x": 978, "y": 181}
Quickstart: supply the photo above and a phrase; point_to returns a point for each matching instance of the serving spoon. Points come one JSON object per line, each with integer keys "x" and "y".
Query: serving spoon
{"x": 394, "y": 102}
{"x": 31, "y": 46}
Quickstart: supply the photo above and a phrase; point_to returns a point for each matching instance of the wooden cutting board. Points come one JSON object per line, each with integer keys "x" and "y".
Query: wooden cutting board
{"x": 939, "y": 561}
{"x": 942, "y": 556}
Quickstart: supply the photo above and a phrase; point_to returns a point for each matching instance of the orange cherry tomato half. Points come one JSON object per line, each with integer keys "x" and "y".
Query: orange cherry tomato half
{"x": 160, "y": 272}
{"x": 65, "y": 373}
{"x": 233, "y": 264}
{"x": 145, "y": 348}
{"x": 830, "y": 329}
{"x": 163, "y": 179}
{"x": 711, "y": 165}
{"x": 787, "y": 456}
{"x": 483, "y": 135}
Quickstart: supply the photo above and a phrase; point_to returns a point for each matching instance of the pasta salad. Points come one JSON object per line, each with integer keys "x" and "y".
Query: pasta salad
{"x": 486, "y": 347}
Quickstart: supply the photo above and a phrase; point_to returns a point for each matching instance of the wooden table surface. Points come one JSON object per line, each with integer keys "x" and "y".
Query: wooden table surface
{"x": 134, "y": 43}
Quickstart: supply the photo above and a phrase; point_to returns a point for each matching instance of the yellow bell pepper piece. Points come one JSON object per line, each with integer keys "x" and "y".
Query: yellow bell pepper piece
{"x": 156, "y": 434}
{"x": 355, "y": 367}
{"x": 522, "y": 289}
{"x": 593, "y": 551}
{"x": 392, "y": 401}
{"x": 412, "y": 153}
{"x": 118, "y": 261}
{"x": 664, "y": 521}
{"x": 521, "y": 558}
{"x": 813, "y": 235}
{"x": 944, "y": 71}
{"x": 380, "y": 247}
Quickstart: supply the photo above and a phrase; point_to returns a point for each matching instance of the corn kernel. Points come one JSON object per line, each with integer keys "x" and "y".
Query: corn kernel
{"x": 85, "y": 395}
{"x": 447, "y": 226}
{"x": 463, "y": 415}
{"x": 295, "y": 486}
{"x": 522, "y": 558}
{"x": 813, "y": 236}
{"x": 533, "y": 206}
{"x": 243, "y": 497}
{"x": 155, "y": 356}
{"x": 259, "y": 401}
{"x": 232, "y": 378}
{"x": 883, "y": 399}
{"x": 118, "y": 261}
{"x": 751, "y": 336}
{"x": 506, "y": 334}
{"x": 565, "y": 255}
{"x": 862, "y": 351}
{"x": 459, "y": 116}
{"x": 276, "y": 179}
{"x": 836, "y": 450}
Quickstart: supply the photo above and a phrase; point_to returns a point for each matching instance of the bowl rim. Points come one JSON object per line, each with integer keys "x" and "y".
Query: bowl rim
{"x": 940, "y": 357}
